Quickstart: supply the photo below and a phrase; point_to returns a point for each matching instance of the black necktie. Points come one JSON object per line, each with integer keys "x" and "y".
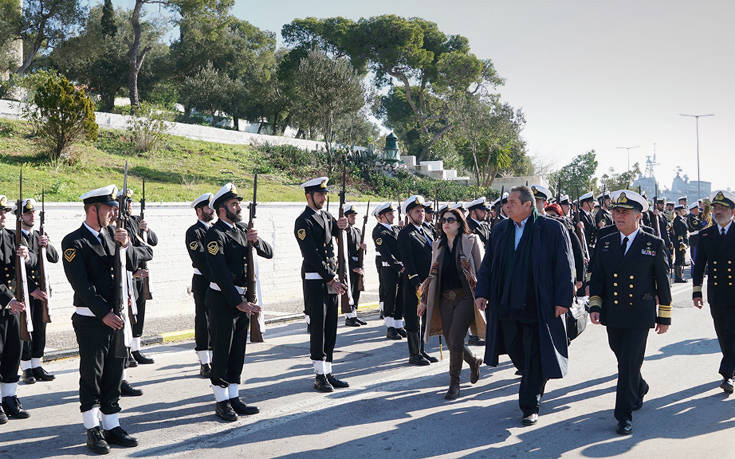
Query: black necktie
{"x": 103, "y": 243}
{"x": 723, "y": 232}
{"x": 624, "y": 245}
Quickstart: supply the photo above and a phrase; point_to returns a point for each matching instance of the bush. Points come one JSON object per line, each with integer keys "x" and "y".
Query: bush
{"x": 61, "y": 115}
{"x": 148, "y": 126}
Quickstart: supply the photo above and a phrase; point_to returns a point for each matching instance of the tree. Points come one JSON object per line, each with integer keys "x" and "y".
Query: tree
{"x": 207, "y": 90}
{"x": 109, "y": 27}
{"x": 328, "y": 90}
{"x": 577, "y": 177}
{"x": 619, "y": 181}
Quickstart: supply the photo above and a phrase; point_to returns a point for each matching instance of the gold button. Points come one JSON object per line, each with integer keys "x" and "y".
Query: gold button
{"x": 615, "y": 293}
{"x": 631, "y": 286}
{"x": 630, "y": 304}
{"x": 630, "y": 295}
{"x": 714, "y": 269}
{"x": 714, "y": 262}
{"x": 729, "y": 262}
{"x": 616, "y": 301}
{"x": 715, "y": 283}
{"x": 632, "y": 277}
{"x": 729, "y": 283}
{"x": 615, "y": 274}
{"x": 615, "y": 284}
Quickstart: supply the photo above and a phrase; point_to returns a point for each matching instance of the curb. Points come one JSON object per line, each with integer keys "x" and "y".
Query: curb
{"x": 187, "y": 334}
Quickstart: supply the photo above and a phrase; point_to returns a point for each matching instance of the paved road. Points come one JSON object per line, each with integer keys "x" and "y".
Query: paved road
{"x": 395, "y": 410}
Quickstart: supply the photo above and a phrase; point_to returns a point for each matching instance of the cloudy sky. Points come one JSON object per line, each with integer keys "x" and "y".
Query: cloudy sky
{"x": 588, "y": 74}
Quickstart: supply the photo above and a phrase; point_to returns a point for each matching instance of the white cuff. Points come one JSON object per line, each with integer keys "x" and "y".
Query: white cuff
{"x": 8, "y": 389}
{"x": 220, "y": 393}
{"x": 110, "y": 421}
{"x": 398, "y": 323}
{"x": 233, "y": 390}
{"x": 328, "y": 368}
{"x": 389, "y": 322}
{"x": 35, "y": 363}
{"x": 25, "y": 365}
{"x": 351, "y": 315}
{"x": 203, "y": 357}
{"x": 91, "y": 418}
{"x": 135, "y": 344}
{"x": 319, "y": 367}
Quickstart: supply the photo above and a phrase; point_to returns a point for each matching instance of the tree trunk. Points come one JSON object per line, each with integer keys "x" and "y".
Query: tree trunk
{"x": 236, "y": 122}
{"x": 135, "y": 56}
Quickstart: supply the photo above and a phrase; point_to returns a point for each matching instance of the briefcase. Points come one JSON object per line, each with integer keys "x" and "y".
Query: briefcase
{"x": 576, "y": 318}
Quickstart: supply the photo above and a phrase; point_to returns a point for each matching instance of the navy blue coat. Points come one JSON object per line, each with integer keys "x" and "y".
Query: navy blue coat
{"x": 553, "y": 271}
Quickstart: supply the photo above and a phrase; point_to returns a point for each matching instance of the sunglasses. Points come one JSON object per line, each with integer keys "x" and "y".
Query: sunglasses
{"x": 448, "y": 220}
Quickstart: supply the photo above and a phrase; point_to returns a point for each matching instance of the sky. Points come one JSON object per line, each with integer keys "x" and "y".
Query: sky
{"x": 588, "y": 74}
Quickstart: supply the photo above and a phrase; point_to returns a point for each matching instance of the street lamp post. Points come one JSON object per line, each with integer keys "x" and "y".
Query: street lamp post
{"x": 696, "y": 118}
{"x": 628, "y": 150}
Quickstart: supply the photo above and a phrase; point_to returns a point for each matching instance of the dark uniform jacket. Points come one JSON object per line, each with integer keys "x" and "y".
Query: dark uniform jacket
{"x": 386, "y": 243}
{"x": 694, "y": 224}
{"x": 52, "y": 256}
{"x": 717, "y": 254}
{"x": 196, "y": 243}
{"x": 482, "y": 229}
{"x": 415, "y": 250}
{"x": 429, "y": 227}
{"x": 313, "y": 231}
{"x": 624, "y": 288}
{"x": 136, "y": 235}
{"x": 577, "y": 252}
{"x": 681, "y": 236}
{"x": 354, "y": 235}
{"x": 227, "y": 251}
{"x": 603, "y": 215}
{"x": 89, "y": 267}
{"x": 7, "y": 266}
{"x": 589, "y": 227}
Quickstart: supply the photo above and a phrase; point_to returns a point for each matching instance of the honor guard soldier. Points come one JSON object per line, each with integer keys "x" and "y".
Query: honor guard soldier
{"x": 695, "y": 223}
{"x": 586, "y": 205}
{"x": 89, "y": 262}
{"x": 415, "y": 249}
{"x": 33, "y": 350}
{"x": 227, "y": 247}
{"x": 629, "y": 276}
{"x": 603, "y": 217}
{"x": 354, "y": 246}
{"x": 478, "y": 214}
{"x": 566, "y": 206}
{"x": 314, "y": 230}
{"x": 541, "y": 194}
{"x": 716, "y": 254}
{"x": 378, "y": 265}
{"x": 136, "y": 229}
{"x": 196, "y": 243}
{"x": 10, "y": 342}
{"x": 429, "y": 215}
{"x": 385, "y": 237}
{"x": 461, "y": 207}
{"x": 681, "y": 239}
{"x": 498, "y": 210}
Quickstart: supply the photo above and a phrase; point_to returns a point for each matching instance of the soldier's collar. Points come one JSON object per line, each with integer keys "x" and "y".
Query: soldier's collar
{"x": 206, "y": 225}
{"x": 224, "y": 222}
{"x": 94, "y": 233}
{"x": 726, "y": 227}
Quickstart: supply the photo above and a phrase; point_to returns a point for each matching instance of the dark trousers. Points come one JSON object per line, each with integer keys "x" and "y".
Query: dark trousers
{"x": 693, "y": 253}
{"x": 410, "y": 303}
{"x": 354, "y": 284}
{"x": 323, "y": 319}
{"x": 9, "y": 347}
{"x": 629, "y": 346}
{"x": 202, "y": 336}
{"x": 100, "y": 371}
{"x": 680, "y": 257}
{"x": 389, "y": 279}
{"x": 140, "y": 303}
{"x": 457, "y": 315}
{"x": 724, "y": 320}
{"x": 229, "y": 336}
{"x": 521, "y": 340}
{"x": 35, "y": 347}
{"x": 378, "y": 267}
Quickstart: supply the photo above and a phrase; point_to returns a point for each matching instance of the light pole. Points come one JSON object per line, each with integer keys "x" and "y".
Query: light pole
{"x": 696, "y": 118}
{"x": 628, "y": 150}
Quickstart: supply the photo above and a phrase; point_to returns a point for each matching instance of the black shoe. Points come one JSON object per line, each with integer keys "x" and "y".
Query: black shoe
{"x": 322, "y": 385}
{"x": 381, "y": 315}
{"x": 96, "y": 442}
{"x": 392, "y": 334}
{"x": 428, "y": 357}
{"x": 141, "y": 359}
{"x": 225, "y": 412}
{"x": 726, "y": 385}
{"x": 14, "y": 409}
{"x": 530, "y": 419}
{"x": 351, "y": 322}
{"x": 242, "y": 409}
{"x": 475, "y": 341}
{"x": 126, "y": 390}
{"x": 401, "y": 332}
{"x": 118, "y": 436}
{"x": 625, "y": 428}
{"x": 3, "y": 416}
{"x": 28, "y": 377}
{"x": 452, "y": 392}
{"x": 337, "y": 383}
{"x": 419, "y": 360}
{"x": 519, "y": 373}
{"x": 42, "y": 375}
{"x": 360, "y": 321}
{"x": 205, "y": 370}
{"x": 639, "y": 404}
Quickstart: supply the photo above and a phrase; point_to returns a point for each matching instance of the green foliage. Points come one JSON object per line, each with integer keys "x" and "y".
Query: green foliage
{"x": 207, "y": 90}
{"x": 577, "y": 177}
{"x": 109, "y": 28}
{"x": 62, "y": 115}
{"x": 147, "y": 126}
{"x": 612, "y": 180}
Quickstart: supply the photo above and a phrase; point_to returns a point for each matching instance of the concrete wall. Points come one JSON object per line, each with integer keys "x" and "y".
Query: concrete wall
{"x": 171, "y": 267}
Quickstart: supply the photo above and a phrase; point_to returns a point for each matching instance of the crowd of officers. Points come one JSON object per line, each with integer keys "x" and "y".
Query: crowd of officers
{"x": 616, "y": 249}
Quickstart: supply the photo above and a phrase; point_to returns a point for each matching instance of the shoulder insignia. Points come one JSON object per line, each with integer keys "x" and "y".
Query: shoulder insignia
{"x": 69, "y": 254}
{"x": 213, "y": 248}
{"x": 193, "y": 245}
{"x": 301, "y": 233}
{"x": 379, "y": 241}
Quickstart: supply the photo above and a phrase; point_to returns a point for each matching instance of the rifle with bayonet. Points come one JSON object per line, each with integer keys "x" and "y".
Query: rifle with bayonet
{"x": 146, "y": 280}
{"x": 578, "y": 230}
{"x": 343, "y": 265}
{"x": 251, "y": 291}
{"x": 654, "y": 214}
{"x": 43, "y": 283}
{"x": 361, "y": 252}
{"x": 123, "y": 289}
{"x": 21, "y": 279}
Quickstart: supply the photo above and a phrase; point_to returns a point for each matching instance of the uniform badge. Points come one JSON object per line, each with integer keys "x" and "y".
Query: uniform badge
{"x": 213, "y": 248}
{"x": 379, "y": 241}
{"x": 301, "y": 233}
{"x": 69, "y": 254}
{"x": 193, "y": 245}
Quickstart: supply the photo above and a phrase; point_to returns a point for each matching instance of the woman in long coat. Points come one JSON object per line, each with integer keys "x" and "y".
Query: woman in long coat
{"x": 447, "y": 294}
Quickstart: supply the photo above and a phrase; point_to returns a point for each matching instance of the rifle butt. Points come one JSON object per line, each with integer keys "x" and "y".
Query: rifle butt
{"x": 23, "y": 322}
{"x": 256, "y": 334}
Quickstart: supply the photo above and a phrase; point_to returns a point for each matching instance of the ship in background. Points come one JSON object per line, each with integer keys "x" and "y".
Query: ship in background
{"x": 680, "y": 185}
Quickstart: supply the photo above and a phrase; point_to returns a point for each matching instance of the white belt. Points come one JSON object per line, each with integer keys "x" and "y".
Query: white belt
{"x": 312, "y": 276}
{"x": 240, "y": 290}
{"x": 84, "y": 312}
{"x": 355, "y": 258}
{"x": 196, "y": 271}
{"x": 386, "y": 264}
{"x": 693, "y": 233}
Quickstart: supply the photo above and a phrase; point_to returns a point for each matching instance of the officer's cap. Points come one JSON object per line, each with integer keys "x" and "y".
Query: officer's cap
{"x": 202, "y": 200}
{"x": 350, "y": 209}
{"x": 679, "y": 207}
{"x": 681, "y": 198}
{"x": 227, "y": 192}
{"x": 564, "y": 199}
{"x": 479, "y": 203}
{"x": 129, "y": 194}
{"x": 443, "y": 206}
{"x": 540, "y": 192}
{"x": 670, "y": 203}
{"x": 4, "y": 203}
{"x": 29, "y": 205}
{"x": 626, "y": 199}
{"x": 459, "y": 206}
{"x": 603, "y": 195}
{"x": 723, "y": 197}
{"x": 413, "y": 201}
{"x": 429, "y": 207}
{"x": 105, "y": 195}
{"x": 587, "y": 197}
{"x": 316, "y": 184}
{"x": 693, "y": 205}
{"x": 383, "y": 208}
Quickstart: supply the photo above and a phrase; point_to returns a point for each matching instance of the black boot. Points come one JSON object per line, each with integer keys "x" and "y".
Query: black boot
{"x": 118, "y": 436}
{"x": 415, "y": 357}
{"x": 130, "y": 361}
{"x": 679, "y": 274}
{"x": 358, "y": 320}
{"x": 205, "y": 370}
{"x": 14, "y": 409}
{"x": 425, "y": 355}
{"x": 3, "y": 416}
{"x": 28, "y": 377}
{"x": 401, "y": 331}
{"x": 242, "y": 409}
{"x": 96, "y": 442}
{"x": 455, "y": 368}
{"x": 392, "y": 334}
{"x": 474, "y": 364}
{"x": 351, "y": 322}
{"x": 224, "y": 411}
{"x": 42, "y": 375}
{"x": 337, "y": 383}
{"x": 322, "y": 385}
{"x": 141, "y": 359}
{"x": 126, "y": 390}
